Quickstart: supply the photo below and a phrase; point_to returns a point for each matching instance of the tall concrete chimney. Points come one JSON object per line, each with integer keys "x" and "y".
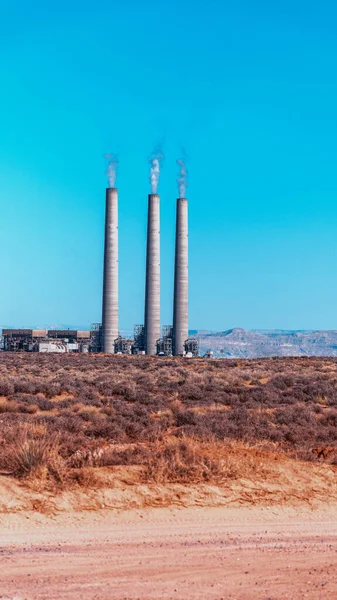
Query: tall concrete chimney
{"x": 152, "y": 285}
{"x": 180, "y": 300}
{"x": 110, "y": 275}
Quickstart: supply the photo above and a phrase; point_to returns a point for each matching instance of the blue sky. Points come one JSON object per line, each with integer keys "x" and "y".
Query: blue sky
{"x": 249, "y": 89}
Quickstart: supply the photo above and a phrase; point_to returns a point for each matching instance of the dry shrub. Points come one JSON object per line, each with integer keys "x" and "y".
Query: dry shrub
{"x": 86, "y": 477}
{"x": 36, "y": 455}
{"x": 87, "y": 402}
{"x": 189, "y": 460}
{"x": 8, "y": 406}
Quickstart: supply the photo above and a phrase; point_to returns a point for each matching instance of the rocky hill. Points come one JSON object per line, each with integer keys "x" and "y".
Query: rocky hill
{"x": 239, "y": 343}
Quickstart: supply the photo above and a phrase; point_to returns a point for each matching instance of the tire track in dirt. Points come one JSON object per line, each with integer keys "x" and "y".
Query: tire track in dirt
{"x": 204, "y": 554}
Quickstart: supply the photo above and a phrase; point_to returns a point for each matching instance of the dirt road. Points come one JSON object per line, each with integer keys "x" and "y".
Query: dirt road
{"x": 199, "y": 553}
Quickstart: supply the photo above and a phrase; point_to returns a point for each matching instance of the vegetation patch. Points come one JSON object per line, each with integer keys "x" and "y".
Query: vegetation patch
{"x": 178, "y": 420}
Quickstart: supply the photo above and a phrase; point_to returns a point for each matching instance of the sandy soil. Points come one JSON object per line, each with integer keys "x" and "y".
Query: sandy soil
{"x": 244, "y": 553}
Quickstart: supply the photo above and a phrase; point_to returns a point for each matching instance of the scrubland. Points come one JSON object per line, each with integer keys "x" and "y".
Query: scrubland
{"x": 74, "y": 421}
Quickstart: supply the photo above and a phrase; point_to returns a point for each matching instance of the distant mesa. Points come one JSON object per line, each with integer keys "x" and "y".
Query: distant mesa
{"x": 235, "y": 331}
{"x": 239, "y": 343}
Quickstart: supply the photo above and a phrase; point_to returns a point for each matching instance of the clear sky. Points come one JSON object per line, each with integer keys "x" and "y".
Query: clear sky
{"x": 249, "y": 89}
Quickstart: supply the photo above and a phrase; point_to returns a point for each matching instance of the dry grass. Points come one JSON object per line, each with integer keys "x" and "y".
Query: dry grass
{"x": 191, "y": 460}
{"x": 35, "y": 455}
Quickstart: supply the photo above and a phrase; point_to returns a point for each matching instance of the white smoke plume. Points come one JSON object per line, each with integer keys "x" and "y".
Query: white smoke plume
{"x": 111, "y": 171}
{"x": 182, "y": 177}
{"x": 155, "y": 164}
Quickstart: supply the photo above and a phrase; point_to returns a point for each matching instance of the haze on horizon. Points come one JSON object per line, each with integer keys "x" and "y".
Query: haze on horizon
{"x": 249, "y": 91}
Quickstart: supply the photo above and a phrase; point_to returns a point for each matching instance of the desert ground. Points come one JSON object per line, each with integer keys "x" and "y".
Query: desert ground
{"x": 243, "y": 553}
{"x": 134, "y": 477}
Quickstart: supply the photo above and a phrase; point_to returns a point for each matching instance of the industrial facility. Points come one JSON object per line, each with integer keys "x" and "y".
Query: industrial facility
{"x": 41, "y": 340}
{"x": 148, "y": 338}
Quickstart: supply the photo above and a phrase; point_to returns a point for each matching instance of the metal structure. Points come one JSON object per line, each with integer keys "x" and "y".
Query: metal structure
{"x": 55, "y": 346}
{"x": 123, "y": 345}
{"x": 180, "y": 298}
{"x": 164, "y": 344}
{"x": 110, "y": 274}
{"x": 191, "y": 347}
{"x": 22, "y": 340}
{"x": 167, "y": 331}
{"x": 96, "y": 338}
{"x": 152, "y": 284}
{"x": 139, "y": 340}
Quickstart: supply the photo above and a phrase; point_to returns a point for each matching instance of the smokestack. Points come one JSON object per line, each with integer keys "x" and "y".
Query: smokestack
{"x": 152, "y": 285}
{"x": 180, "y": 300}
{"x": 110, "y": 275}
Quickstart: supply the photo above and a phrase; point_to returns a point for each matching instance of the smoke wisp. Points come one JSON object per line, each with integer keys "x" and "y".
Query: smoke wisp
{"x": 182, "y": 177}
{"x": 155, "y": 164}
{"x": 111, "y": 171}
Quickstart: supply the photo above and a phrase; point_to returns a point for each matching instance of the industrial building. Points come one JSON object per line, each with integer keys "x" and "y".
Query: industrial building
{"x": 69, "y": 340}
{"x": 22, "y": 340}
{"x": 41, "y": 340}
{"x": 105, "y": 337}
{"x": 191, "y": 347}
{"x": 165, "y": 343}
{"x": 123, "y": 345}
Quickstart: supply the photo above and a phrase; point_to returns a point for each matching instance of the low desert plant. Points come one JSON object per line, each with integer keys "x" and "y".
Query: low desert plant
{"x": 36, "y": 454}
{"x": 183, "y": 461}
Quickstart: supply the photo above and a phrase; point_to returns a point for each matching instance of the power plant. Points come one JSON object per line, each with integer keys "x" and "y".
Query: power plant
{"x": 105, "y": 337}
